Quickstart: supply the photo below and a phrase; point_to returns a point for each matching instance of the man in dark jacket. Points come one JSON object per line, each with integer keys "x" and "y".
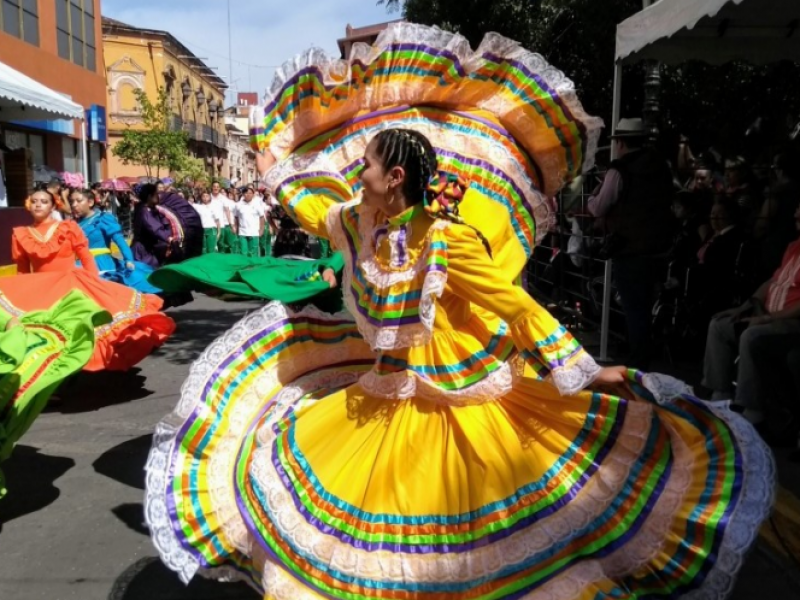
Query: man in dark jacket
{"x": 633, "y": 207}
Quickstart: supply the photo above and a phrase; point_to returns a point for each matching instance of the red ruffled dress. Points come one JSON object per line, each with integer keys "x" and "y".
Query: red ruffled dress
{"x": 45, "y": 256}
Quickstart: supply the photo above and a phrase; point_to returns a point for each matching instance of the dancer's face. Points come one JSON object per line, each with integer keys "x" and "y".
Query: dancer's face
{"x": 41, "y": 206}
{"x": 81, "y": 205}
{"x": 381, "y": 188}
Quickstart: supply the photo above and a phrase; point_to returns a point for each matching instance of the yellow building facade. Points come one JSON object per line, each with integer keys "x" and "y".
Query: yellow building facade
{"x": 147, "y": 59}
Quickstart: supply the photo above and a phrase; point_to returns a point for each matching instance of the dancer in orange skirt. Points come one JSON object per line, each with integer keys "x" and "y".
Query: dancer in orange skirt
{"x": 45, "y": 255}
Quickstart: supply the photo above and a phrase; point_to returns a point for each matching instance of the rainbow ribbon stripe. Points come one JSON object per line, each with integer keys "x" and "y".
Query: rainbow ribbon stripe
{"x": 684, "y": 561}
{"x": 509, "y": 124}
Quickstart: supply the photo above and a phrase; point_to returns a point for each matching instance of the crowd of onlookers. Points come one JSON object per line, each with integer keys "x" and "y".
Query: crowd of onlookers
{"x": 705, "y": 263}
{"x": 703, "y": 250}
{"x": 242, "y": 220}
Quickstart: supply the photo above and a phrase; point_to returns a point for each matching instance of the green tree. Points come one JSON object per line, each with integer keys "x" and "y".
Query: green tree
{"x": 191, "y": 170}
{"x": 157, "y": 146}
{"x": 713, "y": 105}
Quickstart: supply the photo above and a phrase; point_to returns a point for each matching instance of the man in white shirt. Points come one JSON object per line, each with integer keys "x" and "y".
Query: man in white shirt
{"x": 224, "y": 206}
{"x": 211, "y": 217}
{"x": 250, "y": 219}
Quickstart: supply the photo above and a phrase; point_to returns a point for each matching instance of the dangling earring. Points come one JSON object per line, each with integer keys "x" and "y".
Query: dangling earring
{"x": 390, "y": 201}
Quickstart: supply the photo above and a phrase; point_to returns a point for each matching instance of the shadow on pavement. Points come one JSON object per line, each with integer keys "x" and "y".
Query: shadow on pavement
{"x": 125, "y": 462}
{"x": 149, "y": 579}
{"x": 88, "y": 392}
{"x": 197, "y": 328}
{"x": 132, "y": 515}
{"x": 30, "y": 477}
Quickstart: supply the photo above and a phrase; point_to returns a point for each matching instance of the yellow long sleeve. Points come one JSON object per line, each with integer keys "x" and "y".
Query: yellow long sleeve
{"x": 542, "y": 340}
{"x": 307, "y": 198}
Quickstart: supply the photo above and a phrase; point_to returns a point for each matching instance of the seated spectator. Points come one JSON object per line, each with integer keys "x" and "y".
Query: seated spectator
{"x": 705, "y": 177}
{"x": 772, "y": 313}
{"x": 717, "y": 259}
{"x": 739, "y": 189}
{"x": 693, "y": 232}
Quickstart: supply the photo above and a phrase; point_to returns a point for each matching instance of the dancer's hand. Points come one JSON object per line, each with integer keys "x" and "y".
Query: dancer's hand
{"x": 130, "y": 266}
{"x": 329, "y": 276}
{"x": 13, "y": 322}
{"x": 611, "y": 376}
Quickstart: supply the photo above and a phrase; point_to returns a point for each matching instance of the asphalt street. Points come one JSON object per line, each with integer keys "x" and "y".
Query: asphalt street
{"x": 72, "y": 526}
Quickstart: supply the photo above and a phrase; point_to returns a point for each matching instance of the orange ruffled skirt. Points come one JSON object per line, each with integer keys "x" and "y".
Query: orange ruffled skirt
{"x": 137, "y": 326}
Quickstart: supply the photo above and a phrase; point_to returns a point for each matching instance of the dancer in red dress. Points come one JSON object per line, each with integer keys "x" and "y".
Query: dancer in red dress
{"x": 45, "y": 255}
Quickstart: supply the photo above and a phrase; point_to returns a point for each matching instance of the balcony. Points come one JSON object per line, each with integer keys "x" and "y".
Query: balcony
{"x": 192, "y": 130}
{"x": 175, "y": 123}
{"x": 220, "y": 140}
{"x": 206, "y": 133}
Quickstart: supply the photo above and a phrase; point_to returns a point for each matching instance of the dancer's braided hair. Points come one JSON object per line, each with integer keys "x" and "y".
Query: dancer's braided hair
{"x": 412, "y": 151}
{"x": 440, "y": 192}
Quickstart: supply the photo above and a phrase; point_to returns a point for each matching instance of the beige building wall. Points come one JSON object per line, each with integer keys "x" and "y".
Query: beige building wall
{"x": 139, "y": 59}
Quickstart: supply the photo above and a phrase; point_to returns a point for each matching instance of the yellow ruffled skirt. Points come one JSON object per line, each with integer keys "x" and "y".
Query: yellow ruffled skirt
{"x": 278, "y": 468}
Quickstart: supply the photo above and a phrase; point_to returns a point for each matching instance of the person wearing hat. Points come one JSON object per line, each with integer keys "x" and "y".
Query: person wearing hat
{"x": 632, "y": 206}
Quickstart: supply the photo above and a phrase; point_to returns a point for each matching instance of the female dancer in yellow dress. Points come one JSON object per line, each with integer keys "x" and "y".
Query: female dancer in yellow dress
{"x": 454, "y": 441}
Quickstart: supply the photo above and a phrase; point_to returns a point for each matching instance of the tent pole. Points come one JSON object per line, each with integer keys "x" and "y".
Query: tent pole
{"x": 616, "y": 107}
{"x": 84, "y": 154}
{"x": 605, "y": 323}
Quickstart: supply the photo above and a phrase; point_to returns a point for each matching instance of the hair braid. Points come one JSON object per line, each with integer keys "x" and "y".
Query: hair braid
{"x": 440, "y": 192}
{"x": 412, "y": 151}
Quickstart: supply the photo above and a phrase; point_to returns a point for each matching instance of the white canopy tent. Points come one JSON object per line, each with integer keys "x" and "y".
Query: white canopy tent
{"x": 25, "y": 99}
{"x": 714, "y": 31}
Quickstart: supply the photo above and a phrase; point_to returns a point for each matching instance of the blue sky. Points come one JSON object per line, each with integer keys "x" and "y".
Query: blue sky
{"x": 265, "y": 32}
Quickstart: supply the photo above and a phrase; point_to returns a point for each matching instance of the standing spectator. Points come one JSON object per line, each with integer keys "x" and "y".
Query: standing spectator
{"x": 266, "y": 237}
{"x": 250, "y": 218}
{"x": 775, "y": 226}
{"x": 739, "y": 188}
{"x": 211, "y": 217}
{"x": 633, "y": 206}
{"x": 224, "y": 206}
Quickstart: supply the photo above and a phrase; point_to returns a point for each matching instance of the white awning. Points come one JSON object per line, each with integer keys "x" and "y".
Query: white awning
{"x": 714, "y": 31}
{"x": 25, "y": 99}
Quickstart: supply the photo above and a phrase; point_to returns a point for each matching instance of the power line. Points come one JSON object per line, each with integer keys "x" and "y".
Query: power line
{"x": 228, "y": 58}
